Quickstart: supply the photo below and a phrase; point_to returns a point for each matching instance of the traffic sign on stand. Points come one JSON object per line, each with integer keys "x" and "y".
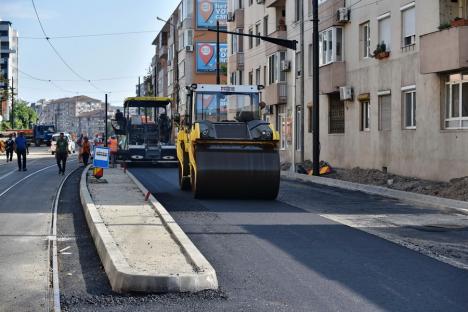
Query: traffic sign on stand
{"x": 101, "y": 157}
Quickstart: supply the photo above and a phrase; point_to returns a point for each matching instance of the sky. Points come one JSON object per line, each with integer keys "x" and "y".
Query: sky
{"x": 94, "y": 58}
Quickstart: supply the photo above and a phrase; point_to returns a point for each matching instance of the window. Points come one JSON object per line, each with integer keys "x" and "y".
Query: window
{"x": 330, "y": 46}
{"x": 250, "y": 38}
{"x": 257, "y": 32}
{"x": 365, "y": 116}
{"x": 385, "y": 111}
{"x": 257, "y": 76}
{"x": 336, "y": 114}
{"x": 240, "y": 75}
{"x": 311, "y": 60}
{"x": 250, "y": 2}
{"x": 233, "y": 78}
{"x": 365, "y": 40}
{"x": 274, "y": 66}
{"x": 297, "y": 16}
{"x": 251, "y": 78}
{"x": 298, "y": 132}
{"x": 408, "y": 25}
{"x": 385, "y": 32}
{"x": 265, "y": 74}
{"x": 409, "y": 105}
{"x": 265, "y": 25}
{"x": 298, "y": 64}
{"x": 456, "y": 101}
{"x": 281, "y": 124}
{"x": 310, "y": 112}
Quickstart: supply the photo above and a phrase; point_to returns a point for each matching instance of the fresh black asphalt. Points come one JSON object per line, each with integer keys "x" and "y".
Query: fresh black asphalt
{"x": 268, "y": 255}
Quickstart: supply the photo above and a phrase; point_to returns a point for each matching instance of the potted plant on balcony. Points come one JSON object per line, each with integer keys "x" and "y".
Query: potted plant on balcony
{"x": 459, "y": 22}
{"x": 381, "y": 51}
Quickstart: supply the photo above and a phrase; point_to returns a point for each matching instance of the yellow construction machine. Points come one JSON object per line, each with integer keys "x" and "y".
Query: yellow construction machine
{"x": 224, "y": 148}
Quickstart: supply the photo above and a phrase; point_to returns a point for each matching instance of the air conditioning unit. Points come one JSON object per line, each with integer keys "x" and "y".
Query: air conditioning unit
{"x": 260, "y": 1}
{"x": 342, "y": 15}
{"x": 230, "y": 17}
{"x": 189, "y": 48}
{"x": 285, "y": 65}
{"x": 346, "y": 93}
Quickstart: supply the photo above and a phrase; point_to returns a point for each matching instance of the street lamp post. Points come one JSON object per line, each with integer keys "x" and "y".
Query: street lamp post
{"x": 315, "y": 87}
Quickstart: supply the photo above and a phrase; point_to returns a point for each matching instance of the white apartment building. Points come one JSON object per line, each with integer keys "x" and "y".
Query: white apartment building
{"x": 8, "y": 64}
{"x": 403, "y": 105}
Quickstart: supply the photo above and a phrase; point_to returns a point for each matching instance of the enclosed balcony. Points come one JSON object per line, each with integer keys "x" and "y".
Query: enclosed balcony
{"x": 332, "y": 76}
{"x": 271, "y": 48}
{"x": 236, "y": 61}
{"x": 275, "y": 3}
{"x": 444, "y": 51}
{"x": 276, "y": 93}
{"x": 239, "y": 18}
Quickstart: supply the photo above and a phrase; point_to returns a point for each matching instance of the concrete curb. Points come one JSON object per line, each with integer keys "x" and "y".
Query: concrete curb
{"x": 427, "y": 200}
{"x": 121, "y": 277}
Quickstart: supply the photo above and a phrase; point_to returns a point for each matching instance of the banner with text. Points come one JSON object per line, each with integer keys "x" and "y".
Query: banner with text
{"x": 101, "y": 157}
{"x": 210, "y": 11}
{"x": 206, "y": 56}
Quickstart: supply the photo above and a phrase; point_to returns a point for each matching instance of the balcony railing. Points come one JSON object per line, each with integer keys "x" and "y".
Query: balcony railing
{"x": 236, "y": 61}
{"x": 239, "y": 18}
{"x": 444, "y": 50}
{"x": 271, "y": 48}
{"x": 275, "y": 3}
{"x": 332, "y": 76}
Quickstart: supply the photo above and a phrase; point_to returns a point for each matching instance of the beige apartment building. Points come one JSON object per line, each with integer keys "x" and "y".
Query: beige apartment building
{"x": 393, "y": 80}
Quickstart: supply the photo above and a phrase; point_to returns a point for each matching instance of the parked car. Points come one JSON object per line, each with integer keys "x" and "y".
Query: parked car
{"x": 71, "y": 144}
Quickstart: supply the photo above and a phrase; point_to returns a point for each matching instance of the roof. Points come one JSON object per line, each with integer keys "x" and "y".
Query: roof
{"x": 147, "y": 101}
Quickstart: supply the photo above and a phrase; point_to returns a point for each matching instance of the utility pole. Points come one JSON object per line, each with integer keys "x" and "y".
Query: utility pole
{"x": 12, "y": 103}
{"x": 105, "y": 123}
{"x": 302, "y": 85}
{"x": 316, "y": 95}
{"x": 218, "y": 78}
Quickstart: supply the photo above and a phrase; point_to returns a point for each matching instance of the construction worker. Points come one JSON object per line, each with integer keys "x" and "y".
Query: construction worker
{"x": 61, "y": 153}
{"x": 9, "y": 148}
{"x": 113, "y": 146}
{"x": 21, "y": 148}
{"x": 85, "y": 150}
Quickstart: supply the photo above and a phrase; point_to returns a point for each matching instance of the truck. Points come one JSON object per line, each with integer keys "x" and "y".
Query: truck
{"x": 42, "y": 134}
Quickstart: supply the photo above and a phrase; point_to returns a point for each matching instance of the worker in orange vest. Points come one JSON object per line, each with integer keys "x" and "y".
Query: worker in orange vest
{"x": 113, "y": 146}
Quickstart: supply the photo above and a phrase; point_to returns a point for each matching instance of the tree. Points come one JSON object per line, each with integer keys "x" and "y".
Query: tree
{"x": 25, "y": 116}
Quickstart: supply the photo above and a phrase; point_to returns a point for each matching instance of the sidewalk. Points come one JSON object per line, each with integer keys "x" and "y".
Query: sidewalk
{"x": 140, "y": 245}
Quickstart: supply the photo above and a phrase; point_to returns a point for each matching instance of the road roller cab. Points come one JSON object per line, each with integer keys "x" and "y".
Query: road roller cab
{"x": 224, "y": 148}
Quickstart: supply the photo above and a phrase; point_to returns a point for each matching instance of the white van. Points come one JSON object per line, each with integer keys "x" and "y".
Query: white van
{"x": 53, "y": 145}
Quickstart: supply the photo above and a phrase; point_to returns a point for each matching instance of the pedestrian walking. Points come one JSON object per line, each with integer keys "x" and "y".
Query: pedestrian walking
{"x": 21, "y": 148}
{"x": 85, "y": 151}
{"x": 9, "y": 148}
{"x": 113, "y": 146}
{"x": 61, "y": 152}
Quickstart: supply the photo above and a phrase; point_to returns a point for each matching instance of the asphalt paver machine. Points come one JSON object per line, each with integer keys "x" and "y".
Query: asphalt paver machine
{"x": 224, "y": 148}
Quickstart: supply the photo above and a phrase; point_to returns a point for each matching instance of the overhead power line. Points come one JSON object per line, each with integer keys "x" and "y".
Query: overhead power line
{"x": 92, "y": 35}
{"x": 58, "y": 54}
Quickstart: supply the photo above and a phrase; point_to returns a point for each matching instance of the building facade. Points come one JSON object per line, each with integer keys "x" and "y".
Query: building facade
{"x": 185, "y": 51}
{"x": 393, "y": 80}
{"x": 77, "y": 115}
{"x": 8, "y": 66}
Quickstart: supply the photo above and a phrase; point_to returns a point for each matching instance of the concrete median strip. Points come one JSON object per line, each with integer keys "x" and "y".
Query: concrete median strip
{"x": 140, "y": 245}
{"x": 419, "y": 199}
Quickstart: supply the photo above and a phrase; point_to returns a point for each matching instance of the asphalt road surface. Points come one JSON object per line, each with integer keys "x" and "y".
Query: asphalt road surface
{"x": 26, "y": 200}
{"x": 268, "y": 255}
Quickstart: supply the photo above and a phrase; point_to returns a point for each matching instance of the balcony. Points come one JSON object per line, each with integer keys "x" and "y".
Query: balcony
{"x": 271, "y": 48}
{"x": 239, "y": 18}
{"x": 327, "y": 13}
{"x": 444, "y": 51}
{"x": 276, "y": 93}
{"x": 236, "y": 62}
{"x": 162, "y": 51}
{"x": 275, "y": 3}
{"x": 332, "y": 76}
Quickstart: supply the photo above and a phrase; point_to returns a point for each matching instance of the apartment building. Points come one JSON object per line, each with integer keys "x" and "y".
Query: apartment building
{"x": 393, "y": 81}
{"x": 79, "y": 114}
{"x": 185, "y": 51}
{"x": 8, "y": 65}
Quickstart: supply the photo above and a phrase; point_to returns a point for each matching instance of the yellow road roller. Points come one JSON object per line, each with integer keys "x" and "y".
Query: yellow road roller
{"x": 224, "y": 148}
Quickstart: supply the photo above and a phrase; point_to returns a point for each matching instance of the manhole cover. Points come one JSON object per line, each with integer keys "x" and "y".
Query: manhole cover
{"x": 440, "y": 227}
